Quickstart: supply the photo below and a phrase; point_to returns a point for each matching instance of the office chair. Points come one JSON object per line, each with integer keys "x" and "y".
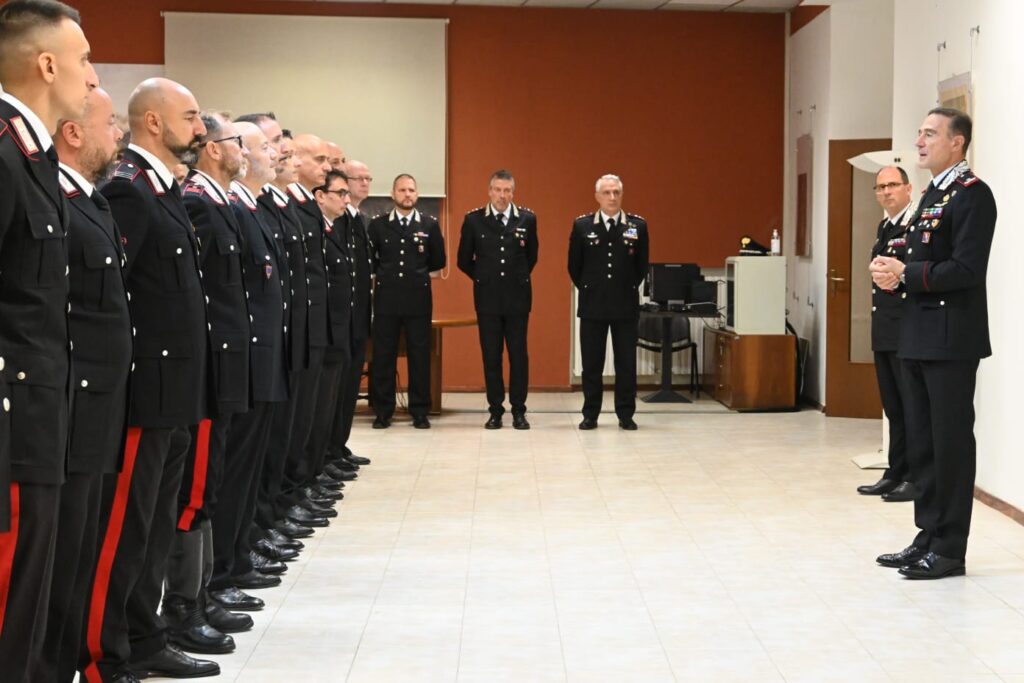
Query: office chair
{"x": 650, "y": 335}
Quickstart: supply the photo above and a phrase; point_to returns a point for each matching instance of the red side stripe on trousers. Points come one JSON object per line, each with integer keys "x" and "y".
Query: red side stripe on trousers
{"x": 108, "y": 552}
{"x": 8, "y": 542}
{"x": 195, "y": 498}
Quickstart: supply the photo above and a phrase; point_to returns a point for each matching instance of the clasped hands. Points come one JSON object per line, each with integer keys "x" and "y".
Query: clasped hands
{"x": 886, "y": 271}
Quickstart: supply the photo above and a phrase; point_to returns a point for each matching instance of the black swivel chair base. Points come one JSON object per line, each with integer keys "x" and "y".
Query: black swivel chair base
{"x": 665, "y": 396}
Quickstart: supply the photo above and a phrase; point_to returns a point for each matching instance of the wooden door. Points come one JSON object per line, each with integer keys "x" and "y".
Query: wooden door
{"x": 851, "y": 389}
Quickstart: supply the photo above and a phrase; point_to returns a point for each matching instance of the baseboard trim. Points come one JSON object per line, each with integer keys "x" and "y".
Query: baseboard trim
{"x": 1000, "y": 505}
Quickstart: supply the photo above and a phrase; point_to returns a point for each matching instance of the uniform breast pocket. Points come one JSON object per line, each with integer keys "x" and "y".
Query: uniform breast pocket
{"x": 37, "y": 384}
{"x": 100, "y": 264}
{"x": 174, "y": 263}
{"x": 231, "y": 262}
{"x": 43, "y": 260}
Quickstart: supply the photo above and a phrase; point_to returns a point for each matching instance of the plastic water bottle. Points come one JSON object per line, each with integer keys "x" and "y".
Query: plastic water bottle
{"x": 776, "y": 243}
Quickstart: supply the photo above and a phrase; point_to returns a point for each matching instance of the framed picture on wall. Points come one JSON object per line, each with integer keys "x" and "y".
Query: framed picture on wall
{"x": 956, "y": 92}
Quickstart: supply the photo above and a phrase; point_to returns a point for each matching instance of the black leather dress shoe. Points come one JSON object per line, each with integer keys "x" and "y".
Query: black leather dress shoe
{"x": 519, "y": 421}
{"x": 933, "y": 566}
{"x": 309, "y": 496}
{"x": 323, "y": 493}
{"x": 588, "y": 423}
{"x": 908, "y": 555}
{"x": 225, "y": 621}
{"x": 881, "y": 486}
{"x": 338, "y": 474}
{"x": 300, "y": 515}
{"x": 282, "y": 541}
{"x": 188, "y": 629}
{"x": 903, "y": 493}
{"x": 267, "y": 549}
{"x": 328, "y": 482}
{"x": 493, "y": 422}
{"x": 345, "y": 465}
{"x": 125, "y": 677}
{"x": 171, "y": 662}
{"x": 253, "y": 580}
{"x": 318, "y": 510}
{"x": 291, "y": 529}
{"x": 628, "y": 424}
{"x": 234, "y": 599}
{"x": 421, "y": 422}
{"x": 381, "y": 423}
{"x": 264, "y": 565}
{"x": 357, "y": 459}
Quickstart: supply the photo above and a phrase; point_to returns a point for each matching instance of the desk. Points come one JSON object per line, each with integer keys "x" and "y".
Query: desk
{"x": 750, "y": 371}
{"x": 666, "y": 394}
{"x": 437, "y": 327}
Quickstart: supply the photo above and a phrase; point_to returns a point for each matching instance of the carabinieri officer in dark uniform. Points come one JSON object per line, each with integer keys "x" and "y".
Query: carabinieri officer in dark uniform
{"x": 608, "y": 253}
{"x": 893, "y": 191}
{"x": 408, "y": 249}
{"x": 221, "y": 245}
{"x": 498, "y": 250}
{"x": 101, "y": 332}
{"x": 170, "y": 389}
{"x": 943, "y": 337}
{"x": 34, "y": 344}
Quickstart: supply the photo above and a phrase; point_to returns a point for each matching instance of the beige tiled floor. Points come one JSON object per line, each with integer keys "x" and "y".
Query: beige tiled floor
{"x": 707, "y": 546}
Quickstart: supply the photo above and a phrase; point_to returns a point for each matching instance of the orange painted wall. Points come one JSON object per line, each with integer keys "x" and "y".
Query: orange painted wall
{"x": 687, "y": 107}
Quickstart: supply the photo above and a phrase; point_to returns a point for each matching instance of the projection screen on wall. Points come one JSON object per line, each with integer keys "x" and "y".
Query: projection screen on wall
{"x": 375, "y": 86}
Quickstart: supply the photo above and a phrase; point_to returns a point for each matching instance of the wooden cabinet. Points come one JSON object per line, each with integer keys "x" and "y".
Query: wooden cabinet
{"x": 750, "y": 371}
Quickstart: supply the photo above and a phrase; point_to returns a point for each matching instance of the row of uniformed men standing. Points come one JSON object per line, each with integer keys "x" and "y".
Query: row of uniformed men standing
{"x": 212, "y": 302}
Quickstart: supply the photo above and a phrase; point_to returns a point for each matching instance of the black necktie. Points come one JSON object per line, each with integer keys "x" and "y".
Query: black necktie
{"x": 611, "y": 224}
{"x": 100, "y": 201}
{"x": 404, "y": 222}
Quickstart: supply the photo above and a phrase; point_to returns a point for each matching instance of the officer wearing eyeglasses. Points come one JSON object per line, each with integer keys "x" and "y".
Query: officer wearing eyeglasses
{"x": 893, "y": 192}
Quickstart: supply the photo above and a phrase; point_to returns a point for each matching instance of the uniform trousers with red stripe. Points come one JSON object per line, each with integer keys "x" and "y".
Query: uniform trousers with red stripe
{"x": 243, "y": 466}
{"x": 141, "y": 512}
{"x": 26, "y": 565}
{"x": 191, "y": 559}
{"x": 78, "y": 543}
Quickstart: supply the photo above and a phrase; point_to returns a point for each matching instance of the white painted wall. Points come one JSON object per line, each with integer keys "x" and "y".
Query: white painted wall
{"x": 840, "y": 63}
{"x": 998, "y": 143}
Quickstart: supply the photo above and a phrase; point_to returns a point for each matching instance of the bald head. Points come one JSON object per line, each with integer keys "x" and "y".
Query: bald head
{"x": 164, "y": 119}
{"x": 335, "y": 156}
{"x": 359, "y": 180}
{"x": 311, "y": 160}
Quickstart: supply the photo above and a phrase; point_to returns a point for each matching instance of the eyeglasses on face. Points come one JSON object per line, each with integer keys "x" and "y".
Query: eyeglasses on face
{"x": 340, "y": 193}
{"x": 237, "y": 139}
{"x": 887, "y": 186}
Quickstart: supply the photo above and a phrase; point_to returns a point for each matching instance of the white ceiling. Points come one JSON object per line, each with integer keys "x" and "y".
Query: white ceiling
{"x": 686, "y": 5}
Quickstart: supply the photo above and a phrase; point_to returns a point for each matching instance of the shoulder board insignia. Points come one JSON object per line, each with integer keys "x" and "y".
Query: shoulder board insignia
{"x": 967, "y": 179}
{"x": 192, "y": 188}
{"x": 65, "y": 184}
{"x": 635, "y": 215}
{"x": 583, "y": 215}
{"x": 479, "y": 208}
{"x": 154, "y": 182}
{"x": 27, "y": 144}
{"x": 126, "y": 171}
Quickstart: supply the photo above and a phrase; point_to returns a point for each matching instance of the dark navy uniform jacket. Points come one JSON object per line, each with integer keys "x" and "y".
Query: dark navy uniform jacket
{"x": 887, "y": 306}
{"x": 946, "y": 311}
{"x": 499, "y": 259}
{"x": 403, "y": 260}
{"x": 220, "y": 259}
{"x": 34, "y": 372}
{"x": 608, "y": 267}
{"x": 101, "y": 330}
{"x": 170, "y": 384}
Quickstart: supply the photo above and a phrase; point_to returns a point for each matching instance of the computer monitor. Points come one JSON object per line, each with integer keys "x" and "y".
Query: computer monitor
{"x": 670, "y": 281}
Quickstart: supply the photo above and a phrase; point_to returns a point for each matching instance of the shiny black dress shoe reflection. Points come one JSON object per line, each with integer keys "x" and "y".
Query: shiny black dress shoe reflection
{"x": 933, "y": 566}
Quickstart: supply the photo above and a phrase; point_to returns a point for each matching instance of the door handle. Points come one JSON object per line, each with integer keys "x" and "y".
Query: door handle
{"x": 833, "y": 279}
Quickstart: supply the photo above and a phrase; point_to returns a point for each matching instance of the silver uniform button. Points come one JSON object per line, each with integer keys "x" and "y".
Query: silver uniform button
{"x": 401, "y": 263}
{"x": 178, "y": 250}
{"x": 873, "y": 309}
{"x": 225, "y": 345}
{"x": 401, "y": 275}
{"x": 85, "y": 383}
{"x": 49, "y": 228}
{"x": 254, "y": 340}
{"x": 163, "y": 353}
{"x": 904, "y": 295}
{"x": 2, "y": 363}
{"x": 21, "y": 375}
{"x": 7, "y": 405}
{"x": 942, "y": 303}
{"x": 109, "y": 260}
{"x": 267, "y": 257}
{"x": 910, "y": 251}
{"x": 609, "y": 276}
